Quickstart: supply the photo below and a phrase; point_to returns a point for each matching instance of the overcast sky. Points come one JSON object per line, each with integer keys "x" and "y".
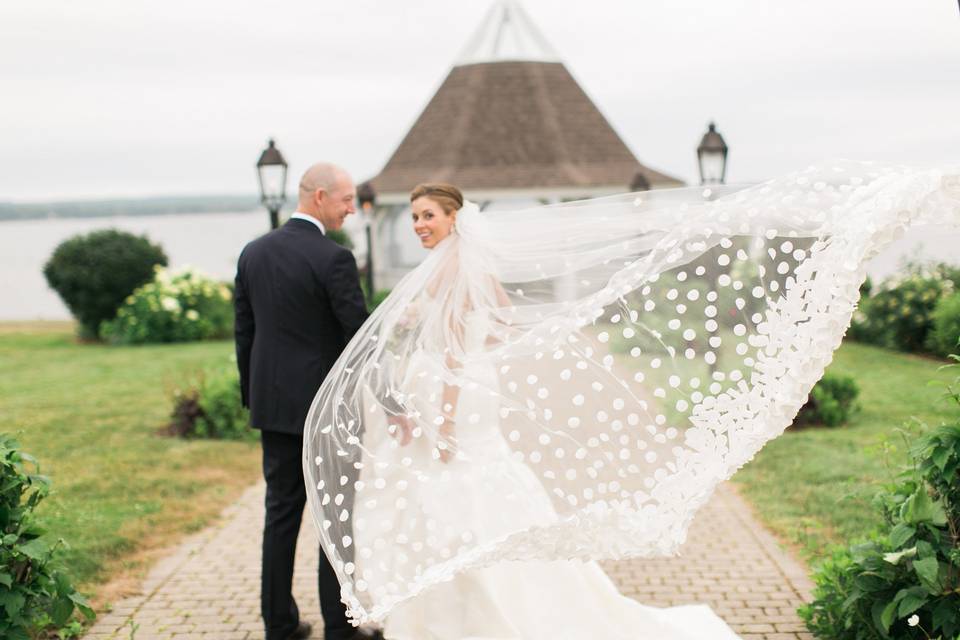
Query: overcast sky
{"x": 126, "y": 97}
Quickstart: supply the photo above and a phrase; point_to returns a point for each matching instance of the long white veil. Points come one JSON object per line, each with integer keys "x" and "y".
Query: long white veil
{"x": 631, "y": 352}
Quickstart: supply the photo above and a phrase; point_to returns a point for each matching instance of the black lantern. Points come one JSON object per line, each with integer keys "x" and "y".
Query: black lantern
{"x": 272, "y": 174}
{"x": 367, "y": 197}
{"x": 712, "y": 157}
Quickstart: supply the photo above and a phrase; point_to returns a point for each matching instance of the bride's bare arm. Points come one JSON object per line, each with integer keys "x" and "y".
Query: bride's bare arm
{"x": 446, "y": 436}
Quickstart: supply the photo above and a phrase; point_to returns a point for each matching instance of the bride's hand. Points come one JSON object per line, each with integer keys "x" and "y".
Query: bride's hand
{"x": 401, "y": 429}
{"x": 447, "y": 442}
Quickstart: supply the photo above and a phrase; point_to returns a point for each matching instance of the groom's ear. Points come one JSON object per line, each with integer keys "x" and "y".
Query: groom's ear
{"x": 319, "y": 195}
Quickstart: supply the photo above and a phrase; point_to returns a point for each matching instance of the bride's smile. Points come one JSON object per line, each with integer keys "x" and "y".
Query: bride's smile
{"x": 431, "y": 221}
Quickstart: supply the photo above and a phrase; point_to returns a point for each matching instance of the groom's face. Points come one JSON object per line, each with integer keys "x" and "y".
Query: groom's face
{"x": 335, "y": 205}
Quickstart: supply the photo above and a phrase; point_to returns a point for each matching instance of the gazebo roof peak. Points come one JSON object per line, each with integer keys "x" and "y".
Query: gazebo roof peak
{"x": 507, "y": 34}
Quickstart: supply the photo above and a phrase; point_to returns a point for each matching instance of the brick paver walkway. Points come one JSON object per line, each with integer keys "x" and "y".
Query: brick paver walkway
{"x": 208, "y": 588}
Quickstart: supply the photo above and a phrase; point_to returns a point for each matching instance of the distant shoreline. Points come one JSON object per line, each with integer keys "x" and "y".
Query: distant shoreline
{"x": 11, "y": 211}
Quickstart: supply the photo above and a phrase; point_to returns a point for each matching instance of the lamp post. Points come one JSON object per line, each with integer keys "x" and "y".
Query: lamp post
{"x": 368, "y": 198}
{"x": 639, "y": 182}
{"x": 712, "y": 157}
{"x": 272, "y": 175}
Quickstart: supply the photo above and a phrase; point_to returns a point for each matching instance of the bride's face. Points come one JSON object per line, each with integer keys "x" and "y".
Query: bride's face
{"x": 430, "y": 222}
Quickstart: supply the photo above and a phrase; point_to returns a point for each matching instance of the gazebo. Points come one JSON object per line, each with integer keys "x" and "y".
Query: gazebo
{"x": 510, "y": 126}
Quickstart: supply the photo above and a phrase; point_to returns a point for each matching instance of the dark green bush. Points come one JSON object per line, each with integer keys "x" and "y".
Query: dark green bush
{"x": 945, "y": 335}
{"x": 209, "y": 406}
{"x": 34, "y": 592}
{"x": 831, "y": 402}
{"x": 94, "y": 273}
{"x": 182, "y": 307}
{"x": 341, "y": 237}
{"x": 904, "y": 583}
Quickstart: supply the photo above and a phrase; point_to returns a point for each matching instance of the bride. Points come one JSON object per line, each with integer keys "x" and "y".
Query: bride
{"x": 570, "y": 383}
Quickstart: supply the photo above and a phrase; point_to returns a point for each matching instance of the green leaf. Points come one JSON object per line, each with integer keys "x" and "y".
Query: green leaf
{"x": 13, "y": 602}
{"x": 35, "y": 549}
{"x": 61, "y": 610}
{"x": 901, "y": 534}
{"x": 871, "y": 582}
{"x": 6, "y": 579}
{"x": 83, "y": 605}
{"x": 913, "y": 599}
{"x": 928, "y": 570}
{"x": 941, "y": 455}
{"x": 921, "y": 508}
{"x": 888, "y": 616}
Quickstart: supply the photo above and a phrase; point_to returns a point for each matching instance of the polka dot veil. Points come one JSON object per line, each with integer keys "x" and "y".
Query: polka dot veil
{"x": 573, "y": 381}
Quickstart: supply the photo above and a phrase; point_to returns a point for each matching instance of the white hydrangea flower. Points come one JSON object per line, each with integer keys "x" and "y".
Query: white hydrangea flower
{"x": 192, "y": 314}
{"x": 913, "y": 620}
{"x": 170, "y": 304}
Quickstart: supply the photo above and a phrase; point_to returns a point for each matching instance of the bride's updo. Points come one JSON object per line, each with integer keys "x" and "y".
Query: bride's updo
{"x": 447, "y": 196}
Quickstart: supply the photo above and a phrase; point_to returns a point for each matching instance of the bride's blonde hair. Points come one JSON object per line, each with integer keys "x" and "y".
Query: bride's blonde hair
{"x": 446, "y": 195}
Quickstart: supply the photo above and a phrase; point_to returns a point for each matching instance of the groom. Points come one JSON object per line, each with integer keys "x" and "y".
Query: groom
{"x": 298, "y": 302}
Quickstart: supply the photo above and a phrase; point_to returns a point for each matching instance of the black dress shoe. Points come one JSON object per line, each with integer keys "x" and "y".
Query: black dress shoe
{"x": 367, "y": 634}
{"x": 302, "y": 631}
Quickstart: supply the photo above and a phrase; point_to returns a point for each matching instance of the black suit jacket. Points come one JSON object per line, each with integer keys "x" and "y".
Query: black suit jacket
{"x": 298, "y": 302}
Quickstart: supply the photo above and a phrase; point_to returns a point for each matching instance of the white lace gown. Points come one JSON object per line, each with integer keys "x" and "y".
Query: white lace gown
{"x": 488, "y": 493}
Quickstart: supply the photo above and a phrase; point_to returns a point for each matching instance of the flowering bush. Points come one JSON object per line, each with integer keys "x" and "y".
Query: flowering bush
{"x": 173, "y": 308}
{"x": 905, "y": 581}
{"x": 899, "y": 314}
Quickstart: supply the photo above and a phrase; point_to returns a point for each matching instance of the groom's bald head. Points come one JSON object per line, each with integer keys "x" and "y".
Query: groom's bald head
{"x": 327, "y": 193}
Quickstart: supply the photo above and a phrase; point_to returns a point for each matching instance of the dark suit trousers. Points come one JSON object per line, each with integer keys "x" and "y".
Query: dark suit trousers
{"x": 286, "y": 498}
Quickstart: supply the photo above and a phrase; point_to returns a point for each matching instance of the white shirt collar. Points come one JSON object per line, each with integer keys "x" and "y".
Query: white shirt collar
{"x": 303, "y": 216}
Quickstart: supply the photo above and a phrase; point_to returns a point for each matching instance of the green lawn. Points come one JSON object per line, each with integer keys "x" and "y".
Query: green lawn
{"x": 813, "y": 487}
{"x": 90, "y": 414}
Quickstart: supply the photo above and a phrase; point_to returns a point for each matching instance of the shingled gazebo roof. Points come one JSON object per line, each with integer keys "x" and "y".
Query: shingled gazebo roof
{"x": 510, "y": 117}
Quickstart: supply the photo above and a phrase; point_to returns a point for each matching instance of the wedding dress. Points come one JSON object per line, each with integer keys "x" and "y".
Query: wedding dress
{"x": 487, "y": 493}
{"x": 615, "y": 359}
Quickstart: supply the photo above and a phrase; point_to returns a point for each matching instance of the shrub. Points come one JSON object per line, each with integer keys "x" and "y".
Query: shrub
{"x": 899, "y": 314}
{"x": 831, "y": 402}
{"x": 173, "y": 308}
{"x": 905, "y": 581}
{"x": 945, "y": 335}
{"x": 210, "y": 406}
{"x": 94, "y": 273}
{"x": 34, "y": 593}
